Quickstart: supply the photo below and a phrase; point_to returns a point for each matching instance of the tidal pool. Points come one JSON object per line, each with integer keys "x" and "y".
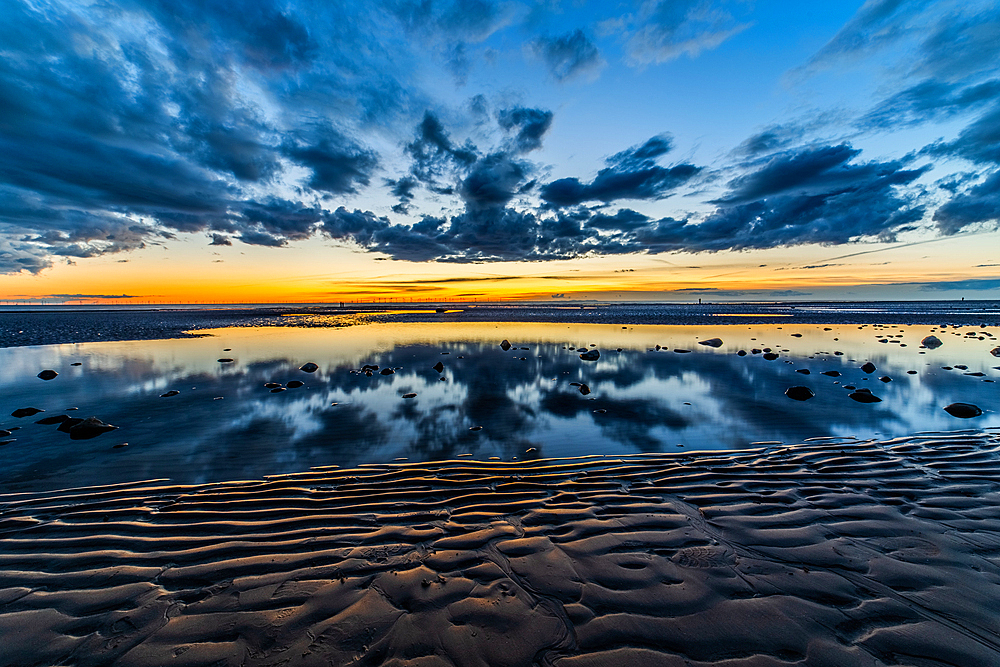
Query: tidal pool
{"x": 654, "y": 388}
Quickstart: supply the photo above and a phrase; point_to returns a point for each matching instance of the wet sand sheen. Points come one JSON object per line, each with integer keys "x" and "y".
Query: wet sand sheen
{"x": 824, "y": 553}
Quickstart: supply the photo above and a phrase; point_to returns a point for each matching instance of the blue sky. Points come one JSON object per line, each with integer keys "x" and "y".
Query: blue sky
{"x": 445, "y": 137}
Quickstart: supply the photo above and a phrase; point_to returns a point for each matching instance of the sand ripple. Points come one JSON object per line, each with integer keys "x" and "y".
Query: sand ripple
{"x": 824, "y": 554}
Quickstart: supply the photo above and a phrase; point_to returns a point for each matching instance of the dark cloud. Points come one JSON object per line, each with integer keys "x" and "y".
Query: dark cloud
{"x": 338, "y": 164}
{"x": 568, "y": 56}
{"x": 219, "y": 239}
{"x": 978, "y": 204}
{"x": 530, "y": 126}
{"x": 402, "y": 189}
{"x": 971, "y": 284}
{"x": 930, "y": 100}
{"x": 631, "y": 174}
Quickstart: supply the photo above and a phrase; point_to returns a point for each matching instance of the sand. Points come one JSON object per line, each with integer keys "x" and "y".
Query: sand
{"x": 828, "y": 553}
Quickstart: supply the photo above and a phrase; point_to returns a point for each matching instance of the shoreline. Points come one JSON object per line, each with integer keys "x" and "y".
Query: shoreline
{"x": 823, "y": 553}
{"x": 19, "y": 328}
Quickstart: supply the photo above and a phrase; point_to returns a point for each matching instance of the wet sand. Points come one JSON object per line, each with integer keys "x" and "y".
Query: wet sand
{"x": 822, "y": 554}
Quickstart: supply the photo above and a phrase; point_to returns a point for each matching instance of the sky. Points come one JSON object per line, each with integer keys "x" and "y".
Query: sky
{"x": 156, "y": 151}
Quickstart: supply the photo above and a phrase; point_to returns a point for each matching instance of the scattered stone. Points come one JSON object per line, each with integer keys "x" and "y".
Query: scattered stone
{"x": 591, "y": 355}
{"x": 885, "y": 378}
{"x": 369, "y": 368}
{"x": 272, "y": 385}
{"x": 600, "y": 411}
{"x": 172, "y": 392}
{"x": 869, "y": 367}
{"x": 475, "y": 428}
{"x": 387, "y": 371}
{"x": 505, "y": 345}
{"x": 4, "y": 433}
{"x": 584, "y": 389}
{"x": 54, "y": 419}
{"x": 228, "y": 349}
{"x": 711, "y": 342}
{"x": 963, "y": 410}
{"x": 68, "y": 424}
{"x": 833, "y": 374}
{"x": 799, "y": 393}
{"x": 680, "y": 351}
{"x": 48, "y": 374}
{"x": 77, "y": 363}
{"x": 91, "y": 427}
{"x": 931, "y": 342}
{"x": 741, "y": 353}
{"x": 410, "y": 395}
{"x": 119, "y": 445}
{"x": 225, "y": 360}
{"x": 961, "y": 367}
{"x": 294, "y": 384}
{"x": 439, "y": 367}
{"x": 976, "y": 374}
{"x": 25, "y": 412}
{"x": 804, "y": 371}
{"x": 796, "y": 335}
{"x": 864, "y": 396}
{"x": 911, "y": 372}
{"x": 278, "y": 390}
{"x": 770, "y": 356}
{"x": 309, "y": 367}
{"x": 754, "y": 351}
{"x": 995, "y": 351}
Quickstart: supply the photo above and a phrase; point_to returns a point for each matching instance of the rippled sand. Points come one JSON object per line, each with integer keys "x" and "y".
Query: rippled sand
{"x": 821, "y": 554}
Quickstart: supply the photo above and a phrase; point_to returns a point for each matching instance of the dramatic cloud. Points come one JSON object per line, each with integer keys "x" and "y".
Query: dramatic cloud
{"x": 978, "y": 204}
{"x": 568, "y": 56}
{"x": 631, "y": 174}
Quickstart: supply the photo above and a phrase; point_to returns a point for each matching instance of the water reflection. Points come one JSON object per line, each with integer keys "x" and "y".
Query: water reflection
{"x": 225, "y": 424}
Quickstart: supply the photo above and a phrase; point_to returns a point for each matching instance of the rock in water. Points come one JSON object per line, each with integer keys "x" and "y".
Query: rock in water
{"x": 591, "y": 355}
{"x": 963, "y": 410}
{"x": 225, "y": 360}
{"x": 387, "y": 371}
{"x": 869, "y": 367}
{"x": 931, "y": 342}
{"x": 770, "y": 356}
{"x": 995, "y": 351}
{"x": 439, "y": 367}
{"x": 47, "y": 374}
{"x": 56, "y": 419}
{"x": 25, "y": 412}
{"x": 91, "y": 427}
{"x": 862, "y": 396}
{"x": 799, "y": 393}
{"x": 505, "y": 345}
{"x": 833, "y": 374}
{"x": 309, "y": 367}
{"x": 584, "y": 389}
{"x": 69, "y": 424}
{"x": 804, "y": 371}
{"x": 272, "y": 385}
{"x": 410, "y": 395}
{"x": 711, "y": 342}
{"x": 172, "y": 392}
{"x": 294, "y": 384}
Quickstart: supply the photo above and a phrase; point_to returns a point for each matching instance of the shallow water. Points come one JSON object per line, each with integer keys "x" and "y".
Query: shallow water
{"x": 225, "y": 425}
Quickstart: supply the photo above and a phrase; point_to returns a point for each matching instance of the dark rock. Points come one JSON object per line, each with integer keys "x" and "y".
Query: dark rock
{"x": 505, "y": 345}
{"x": 387, "y": 371}
{"x": 48, "y": 374}
{"x": 804, "y": 371}
{"x": 796, "y": 335}
{"x": 77, "y": 363}
{"x": 172, "y": 392}
{"x": 770, "y": 356}
{"x": 584, "y": 389}
{"x": 885, "y": 378}
{"x": 225, "y": 360}
{"x": 591, "y": 355}
{"x": 25, "y": 412}
{"x": 754, "y": 351}
{"x": 963, "y": 410}
{"x": 681, "y": 351}
{"x": 961, "y": 367}
{"x": 833, "y": 374}
{"x": 54, "y": 419}
{"x": 931, "y": 342}
{"x": 911, "y": 372}
{"x": 799, "y": 393}
{"x": 272, "y": 385}
{"x": 741, "y": 353}
{"x": 995, "y": 351}
{"x": 294, "y": 384}
{"x": 369, "y": 368}
{"x": 711, "y": 342}
{"x": 91, "y": 427}
{"x": 862, "y": 396}
{"x": 410, "y": 395}
{"x": 976, "y": 374}
{"x": 869, "y": 367}
{"x": 439, "y": 367}
{"x": 278, "y": 390}
{"x": 309, "y": 367}
{"x": 228, "y": 349}
{"x": 67, "y": 425}
{"x": 475, "y": 428}
{"x": 4, "y": 433}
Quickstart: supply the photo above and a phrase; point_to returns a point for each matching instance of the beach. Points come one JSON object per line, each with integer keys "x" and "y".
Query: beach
{"x": 483, "y": 545}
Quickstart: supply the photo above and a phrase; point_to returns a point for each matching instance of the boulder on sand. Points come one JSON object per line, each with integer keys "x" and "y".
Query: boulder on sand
{"x": 799, "y": 393}
{"x": 25, "y": 412}
{"x": 91, "y": 427}
{"x": 505, "y": 345}
{"x": 869, "y": 367}
{"x": 711, "y": 342}
{"x": 963, "y": 410}
{"x": 309, "y": 367}
{"x": 47, "y": 374}
{"x": 931, "y": 342}
{"x": 591, "y": 355}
